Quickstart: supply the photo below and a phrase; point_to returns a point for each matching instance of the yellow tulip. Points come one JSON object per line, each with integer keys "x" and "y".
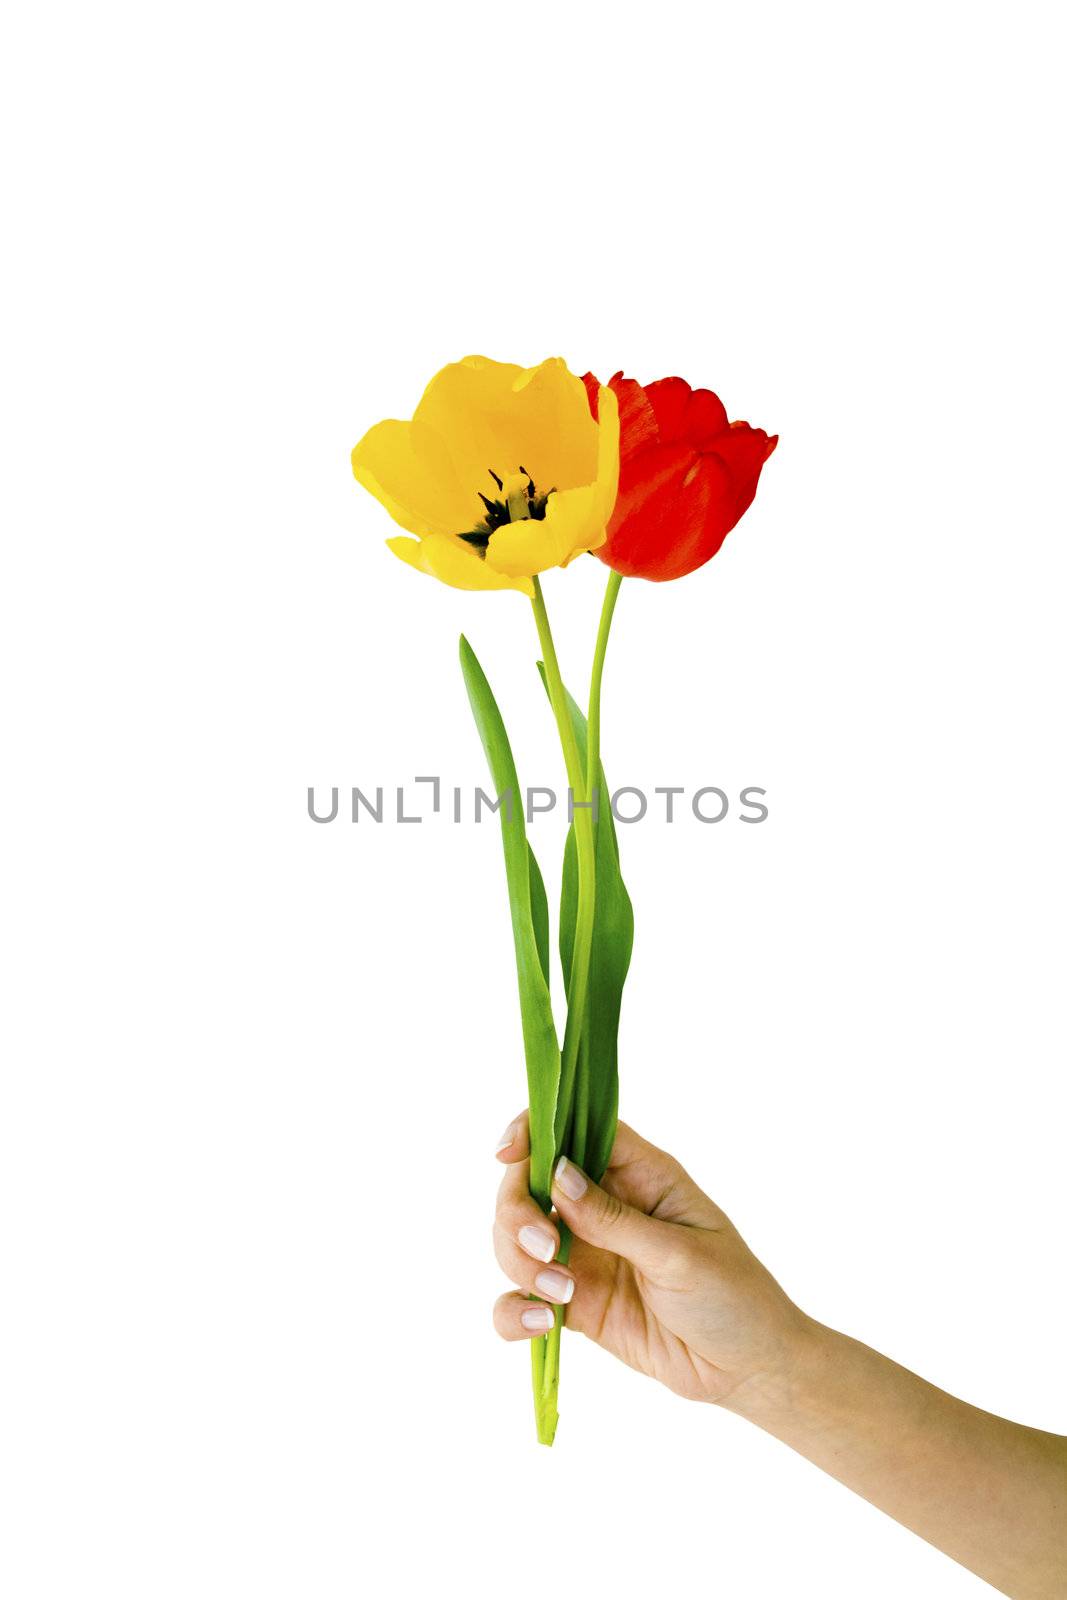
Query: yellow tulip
{"x": 501, "y": 473}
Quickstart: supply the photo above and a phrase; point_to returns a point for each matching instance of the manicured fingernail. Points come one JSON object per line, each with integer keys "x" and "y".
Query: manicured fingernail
{"x": 507, "y": 1139}
{"x": 570, "y": 1180}
{"x": 539, "y": 1319}
{"x": 537, "y": 1242}
{"x": 554, "y": 1286}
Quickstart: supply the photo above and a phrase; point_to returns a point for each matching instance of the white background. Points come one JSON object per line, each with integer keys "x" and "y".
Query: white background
{"x": 258, "y": 1067}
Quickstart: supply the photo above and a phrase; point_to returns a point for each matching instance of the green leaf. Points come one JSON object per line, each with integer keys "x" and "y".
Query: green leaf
{"x": 613, "y": 937}
{"x": 539, "y": 912}
{"x": 529, "y": 926}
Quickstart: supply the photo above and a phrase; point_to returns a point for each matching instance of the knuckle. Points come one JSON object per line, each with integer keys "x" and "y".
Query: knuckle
{"x": 610, "y": 1209}
{"x": 513, "y": 1192}
{"x": 679, "y": 1260}
{"x": 510, "y": 1219}
{"x": 515, "y": 1266}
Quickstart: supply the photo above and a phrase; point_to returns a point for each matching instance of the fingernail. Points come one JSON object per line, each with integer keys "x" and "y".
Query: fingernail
{"x": 555, "y": 1286}
{"x": 539, "y": 1319}
{"x": 537, "y": 1242}
{"x": 570, "y": 1180}
{"x": 507, "y": 1138}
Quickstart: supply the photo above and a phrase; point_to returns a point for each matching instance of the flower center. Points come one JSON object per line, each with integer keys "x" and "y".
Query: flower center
{"x": 517, "y": 498}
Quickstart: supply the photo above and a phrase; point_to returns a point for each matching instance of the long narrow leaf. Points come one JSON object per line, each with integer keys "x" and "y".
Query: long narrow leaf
{"x": 539, "y": 912}
{"x": 529, "y": 926}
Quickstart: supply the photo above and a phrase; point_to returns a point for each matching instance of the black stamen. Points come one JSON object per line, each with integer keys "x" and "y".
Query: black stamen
{"x": 498, "y": 512}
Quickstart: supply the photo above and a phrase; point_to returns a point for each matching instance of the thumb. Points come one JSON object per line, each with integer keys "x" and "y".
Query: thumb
{"x": 604, "y": 1220}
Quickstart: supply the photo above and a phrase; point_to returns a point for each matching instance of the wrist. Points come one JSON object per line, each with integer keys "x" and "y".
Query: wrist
{"x": 793, "y": 1383}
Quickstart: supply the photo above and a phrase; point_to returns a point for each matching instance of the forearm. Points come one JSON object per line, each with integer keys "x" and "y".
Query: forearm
{"x": 991, "y": 1494}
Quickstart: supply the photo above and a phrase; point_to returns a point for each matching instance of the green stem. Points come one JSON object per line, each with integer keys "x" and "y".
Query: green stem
{"x": 580, "y": 1132}
{"x": 611, "y": 594}
{"x": 585, "y": 845}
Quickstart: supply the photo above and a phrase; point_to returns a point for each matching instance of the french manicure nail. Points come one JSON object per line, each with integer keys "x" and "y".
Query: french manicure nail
{"x": 570, "y": 1180}
{"x": 539, "y": 1319}
{"x": 507, "y": 1138}
{"x": 537, "y": 1242}
{"x": 554, "y": 1286}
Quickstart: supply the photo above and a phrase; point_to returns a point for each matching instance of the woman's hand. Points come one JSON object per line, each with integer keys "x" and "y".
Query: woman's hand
{"x": 657, "y": 1274}
{"x": 661, "y": 1278}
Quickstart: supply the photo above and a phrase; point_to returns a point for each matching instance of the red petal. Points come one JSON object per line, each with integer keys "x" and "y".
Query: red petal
{"x": 637, "y": 420}
{"x": 675, "y": 506}
{"x": 644, "y": 524}
{"x": 705, "y": 419}
{"x": 669, "y": 398}
{"x": 685, "y": 415}
{"x": 744, "y": 450}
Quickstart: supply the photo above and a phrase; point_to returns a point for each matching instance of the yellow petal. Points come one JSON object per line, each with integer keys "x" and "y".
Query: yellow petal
{"x": 407, "y": 467}
{"x": 535, "y": 543}
{"x": 575, "y": 519}
{"x": 491, "y": 414}
{"x": 455, "y": 563}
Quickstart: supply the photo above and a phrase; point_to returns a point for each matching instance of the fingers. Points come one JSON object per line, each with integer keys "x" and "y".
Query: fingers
{"x": 648, "y": 1211}
{"x": 526, "y": 1244}
{"x": 604, "y": 1220}
{"x": 553, "y": 1282}
{"x": 514, "y": 1142}
{"x": 517, "y": 1318}
{"x": 519, "y": 1217}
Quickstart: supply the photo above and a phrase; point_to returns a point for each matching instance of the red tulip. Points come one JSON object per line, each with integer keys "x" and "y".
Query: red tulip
{"x": 686, "y": 476}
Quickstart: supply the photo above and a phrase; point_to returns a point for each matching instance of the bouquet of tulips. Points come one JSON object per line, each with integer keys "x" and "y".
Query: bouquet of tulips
{"x": 502, "y": 473}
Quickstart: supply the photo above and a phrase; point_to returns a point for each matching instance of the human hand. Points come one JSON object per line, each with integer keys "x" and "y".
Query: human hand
{"x": 657, "y": 1275}
{"x": 661, "y": 1278}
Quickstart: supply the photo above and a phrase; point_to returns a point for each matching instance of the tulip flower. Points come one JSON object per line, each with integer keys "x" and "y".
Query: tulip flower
{"x": 502, "y": 473}
{"x": 686, "y": 476}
